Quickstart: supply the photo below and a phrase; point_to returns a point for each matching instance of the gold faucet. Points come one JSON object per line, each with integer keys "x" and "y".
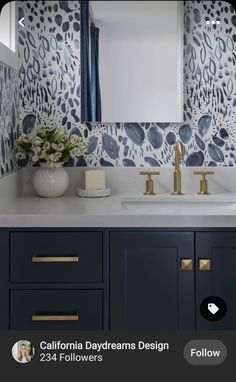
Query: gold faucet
{"x": 179, "y": 155}
{"x": 149, "y": 181}
{"x": 203, "y": 181}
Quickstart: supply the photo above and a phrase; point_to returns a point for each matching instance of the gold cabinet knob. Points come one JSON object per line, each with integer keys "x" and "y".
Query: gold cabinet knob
{"x": 149, "y": 181}
{"x": 204, "y": 264}
{"x": 186, "y": 264}
{"x": 203, "y": 181}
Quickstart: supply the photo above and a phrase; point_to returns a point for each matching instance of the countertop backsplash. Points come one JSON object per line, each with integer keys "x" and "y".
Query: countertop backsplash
{"x": 127, "y": 180}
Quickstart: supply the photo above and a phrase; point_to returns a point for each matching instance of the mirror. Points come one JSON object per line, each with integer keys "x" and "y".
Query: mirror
{"x": 131, "y": 61}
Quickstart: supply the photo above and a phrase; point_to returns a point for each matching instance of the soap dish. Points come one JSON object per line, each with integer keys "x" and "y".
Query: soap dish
{"x": 97, "y": 193}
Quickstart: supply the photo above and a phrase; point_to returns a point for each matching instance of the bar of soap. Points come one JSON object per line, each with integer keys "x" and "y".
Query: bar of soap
{"x": 95, "y": 180}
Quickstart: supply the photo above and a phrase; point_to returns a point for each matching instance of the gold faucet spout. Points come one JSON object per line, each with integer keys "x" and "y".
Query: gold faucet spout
{"x": 179, "y": 155}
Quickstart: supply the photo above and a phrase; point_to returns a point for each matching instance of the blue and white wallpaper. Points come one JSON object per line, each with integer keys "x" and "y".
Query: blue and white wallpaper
{"x": 49, "y": 85}
{"x": 210, "y": 82}
{"x": 49, "y": 63}
{"x": 8, "y": 118}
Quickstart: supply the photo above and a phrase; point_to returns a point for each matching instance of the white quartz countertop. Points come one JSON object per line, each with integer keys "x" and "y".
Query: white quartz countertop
{"x": 111, "y": 212}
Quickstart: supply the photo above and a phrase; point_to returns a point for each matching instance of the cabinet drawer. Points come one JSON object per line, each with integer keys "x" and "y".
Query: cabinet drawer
{"x": 56, "y": 310}
{"x": 56, "y": 257}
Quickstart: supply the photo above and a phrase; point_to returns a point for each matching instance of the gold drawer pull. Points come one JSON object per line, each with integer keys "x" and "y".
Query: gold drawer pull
{"x": 204, "y": 264}
{"x": 186, "y": 264}
{"x": 55, "y": 259}
{"x": 73, "y": 317}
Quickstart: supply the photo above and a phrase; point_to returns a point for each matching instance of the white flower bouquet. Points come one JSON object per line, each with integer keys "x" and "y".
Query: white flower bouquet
{"x": 50, "y": 146}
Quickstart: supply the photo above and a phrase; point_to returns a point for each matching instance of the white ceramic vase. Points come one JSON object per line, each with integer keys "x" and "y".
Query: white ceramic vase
{"x": 50, "y": 182}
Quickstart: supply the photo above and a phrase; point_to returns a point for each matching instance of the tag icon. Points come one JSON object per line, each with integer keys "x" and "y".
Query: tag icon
{"x": 213, "y": 308}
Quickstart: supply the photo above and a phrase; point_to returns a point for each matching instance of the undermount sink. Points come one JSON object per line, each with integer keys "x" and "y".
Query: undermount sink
{"x": 163, "y": 201}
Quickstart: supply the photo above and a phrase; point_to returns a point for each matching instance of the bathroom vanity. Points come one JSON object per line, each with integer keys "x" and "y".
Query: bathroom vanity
{"x": 128, "y": 261}
{"x": 100, "y": 279}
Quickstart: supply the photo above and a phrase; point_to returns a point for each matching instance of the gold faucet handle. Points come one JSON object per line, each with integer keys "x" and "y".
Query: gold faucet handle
{"x": 149, "y": 181}
{"x": 203, "y": 181}
{"x": 204, "y": 173}
{"x": 149, "y": 173}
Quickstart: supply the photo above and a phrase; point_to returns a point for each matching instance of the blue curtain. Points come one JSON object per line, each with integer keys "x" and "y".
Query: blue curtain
{"x": 86, "y": 100}
{"x": 95, "y": 84}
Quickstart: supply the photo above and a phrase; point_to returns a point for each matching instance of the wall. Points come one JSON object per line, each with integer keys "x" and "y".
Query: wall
{"x": 209, "y": 82}
{"x": 8, "y": 118}
{"x": 8, "y": 90}
{"x": 49, "y": 81}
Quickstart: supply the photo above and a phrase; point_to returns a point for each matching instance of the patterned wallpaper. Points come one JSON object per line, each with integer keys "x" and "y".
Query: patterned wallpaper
{"x": 8, "y": 118}
{"x": 50, "y": 85}
{"x": 210, "y": 82}
{"x": 49, "y": 64}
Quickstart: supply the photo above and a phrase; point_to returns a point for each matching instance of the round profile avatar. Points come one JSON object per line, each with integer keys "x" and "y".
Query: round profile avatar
{"x": 23, "y": 351}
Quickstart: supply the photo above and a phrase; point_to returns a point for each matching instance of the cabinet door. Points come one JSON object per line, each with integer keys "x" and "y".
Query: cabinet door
{"x": 220, "y": 277}
{"x": 148, "y": 289}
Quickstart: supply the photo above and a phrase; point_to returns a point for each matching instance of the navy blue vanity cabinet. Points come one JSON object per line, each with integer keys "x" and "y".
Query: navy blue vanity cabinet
{"x": 148, "y": 288}
{"x": 216, "y": 276}
{"x": 53, "y": 279}
{"x": 117, "y": 279}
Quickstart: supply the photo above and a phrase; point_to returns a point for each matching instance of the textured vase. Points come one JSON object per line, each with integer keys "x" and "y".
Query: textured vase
{"x": 50, "y": 182}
